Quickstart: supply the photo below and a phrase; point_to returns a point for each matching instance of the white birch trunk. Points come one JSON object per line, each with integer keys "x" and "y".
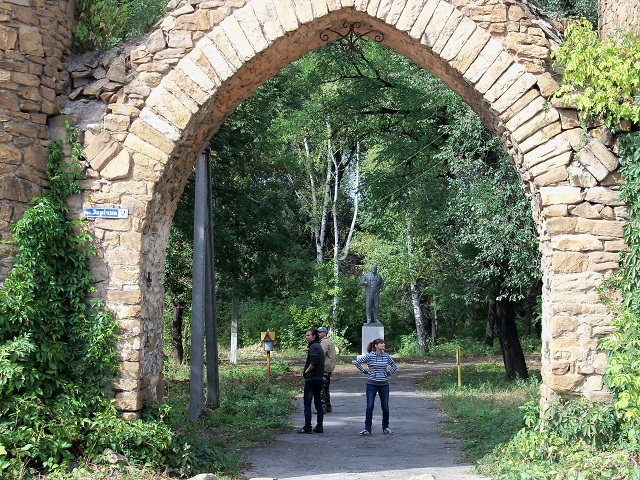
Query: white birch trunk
{"x": 415, "y": 294}
{"x": 233, "y": 356}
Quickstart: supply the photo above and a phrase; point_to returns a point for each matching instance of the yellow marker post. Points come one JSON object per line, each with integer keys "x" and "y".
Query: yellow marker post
{"x": 459, "y": 367}
{"x": 267, "y": 339}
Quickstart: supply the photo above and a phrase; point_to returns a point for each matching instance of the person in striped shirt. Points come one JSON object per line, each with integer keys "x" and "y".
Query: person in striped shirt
{"x": 377, "y": 361}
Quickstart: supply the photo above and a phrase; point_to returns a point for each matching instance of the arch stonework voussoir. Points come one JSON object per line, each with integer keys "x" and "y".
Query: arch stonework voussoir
{"x": 144, "y": 162}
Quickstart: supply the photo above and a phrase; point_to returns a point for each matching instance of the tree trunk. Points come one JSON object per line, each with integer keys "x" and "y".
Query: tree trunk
{"x": 336, "y": 234}
{"x": 177, "y": 349}
{"x": 417, "y": 313}
{"x": 491, "y": 320}
{"x": 526, "y": 319}
{"x": 512, "y": 354}
{"x": 415, "y": 295}
{"x": 434, "y": 323}
{"x": 233, "y": 357}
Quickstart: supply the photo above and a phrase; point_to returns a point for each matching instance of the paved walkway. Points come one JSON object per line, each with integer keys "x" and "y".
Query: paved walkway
{"x": 415, "y": 452}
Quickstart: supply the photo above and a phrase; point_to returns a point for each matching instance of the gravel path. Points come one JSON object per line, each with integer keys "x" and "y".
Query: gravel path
{"x": 415, "y": 452}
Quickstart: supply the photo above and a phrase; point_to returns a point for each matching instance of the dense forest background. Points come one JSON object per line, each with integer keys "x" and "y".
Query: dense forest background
{"x": 349, "y": 158}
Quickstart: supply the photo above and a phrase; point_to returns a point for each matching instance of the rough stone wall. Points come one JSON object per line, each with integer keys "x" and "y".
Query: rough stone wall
{"x": 622, "y": 14}
{"x": 35, "y": 38}
{"x": 149, "y": 108}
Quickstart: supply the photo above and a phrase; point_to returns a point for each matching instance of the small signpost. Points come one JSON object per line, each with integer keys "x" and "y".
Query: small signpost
{"x": 267, "y": 338}
{"x": 117, "y": 213}
{"x": 458, "y": 361}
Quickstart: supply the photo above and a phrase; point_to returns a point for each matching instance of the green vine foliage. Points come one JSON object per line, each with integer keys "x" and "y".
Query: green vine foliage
{"x": 582, "y": 439}
{"x": 58, "y": 353}
{"x": 623, "y": 346}
{"x": 105, "y": 23}
{"x": 601, "y": 75}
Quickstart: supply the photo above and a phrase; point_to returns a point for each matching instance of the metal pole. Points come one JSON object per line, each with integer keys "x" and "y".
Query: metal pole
{"x": 459, "y": 369}
{"x": 210, "y": 321}
{"x": 268, "y": 366}
{"x": 198, "y": 292}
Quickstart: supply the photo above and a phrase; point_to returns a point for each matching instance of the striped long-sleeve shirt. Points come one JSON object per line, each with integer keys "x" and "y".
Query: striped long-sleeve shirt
{"x": 377, "y": 364}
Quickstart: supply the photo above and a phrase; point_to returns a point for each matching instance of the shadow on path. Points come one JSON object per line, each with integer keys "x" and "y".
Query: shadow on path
{"x": 416, "y": 451}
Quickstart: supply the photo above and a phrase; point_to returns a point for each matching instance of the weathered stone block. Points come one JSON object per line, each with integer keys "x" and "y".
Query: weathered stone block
{"x": 287, "y": 15}
{"x": 569, "y": 118}
{"x": 561, "y": 225}
{"x": 560, "y": 195}
{"x": 437, "y": 23}
{"x": 560, "y": 368}
{"x": 494, "y": 72}
{"x": 129, "y": 401}
{"x": 30, "y": 41}
{"x": 169, "y": 107}
{"x": 603, "y": 195}
{"x": 607, "y": 228}
{"x": 555, "y": 152}
{"x": 266, "y": 14}
{"x": 418, "y": 28}
{"x": 591, "y": 163}
{"x": 303, "y": 10}
{"x": 516, "y": 91}
{"x": 470, "y": 50}
{"x": 603, "y": 154}
{"x": 540, "y": 137}
{"x": 410, "y": 14}
{"x": 447, "y": 31}
{"x": 119, "y": 167}
{"x": 136, "y": 144}
{"x": 514, "y": 72}
{"x": 540, "y": 121}
{"x": 223, "y": 67}
{"x": 580, "y": 176}
{"x": 251, "y": 27}
{"x": 555, "y": 211}
{"x": 458, "y": 39}
{"x": 577, "y": 243}
{"x": 8, "y": 37}
{"x": 570, "y": 262}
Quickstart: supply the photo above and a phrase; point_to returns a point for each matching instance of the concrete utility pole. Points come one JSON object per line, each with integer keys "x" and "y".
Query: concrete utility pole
{"x": 203, "y": 321}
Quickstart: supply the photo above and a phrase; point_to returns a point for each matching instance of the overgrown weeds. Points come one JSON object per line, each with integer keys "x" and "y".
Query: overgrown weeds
{"x": 251, "y": 411}
{"x": 500, "y": 428}
{"x": 484, "y": 411}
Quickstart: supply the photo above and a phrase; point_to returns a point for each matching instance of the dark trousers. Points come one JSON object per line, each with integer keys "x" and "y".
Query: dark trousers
{"x": 312, "y": 391}
{"x": 326, "y": 395}
{"x": 383, "y": 392}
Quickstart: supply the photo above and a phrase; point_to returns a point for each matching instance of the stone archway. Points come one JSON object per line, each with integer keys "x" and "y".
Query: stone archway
{"x": 204, "y": 59}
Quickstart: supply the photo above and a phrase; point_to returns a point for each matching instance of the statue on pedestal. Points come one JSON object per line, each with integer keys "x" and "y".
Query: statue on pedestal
{"x": 372, "y": 282}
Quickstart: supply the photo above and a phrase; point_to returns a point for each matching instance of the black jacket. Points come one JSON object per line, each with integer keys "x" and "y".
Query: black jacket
{"x": 315, "y": 357}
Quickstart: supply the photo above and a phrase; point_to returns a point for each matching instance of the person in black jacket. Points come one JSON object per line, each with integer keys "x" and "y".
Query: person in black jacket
{"x": 313, "y": 372}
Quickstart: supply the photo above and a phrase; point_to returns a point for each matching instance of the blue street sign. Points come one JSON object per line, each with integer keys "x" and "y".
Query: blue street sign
{"x": 117, "y": 213}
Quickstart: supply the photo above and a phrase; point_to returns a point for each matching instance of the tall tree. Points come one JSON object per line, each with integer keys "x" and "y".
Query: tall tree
{"x": 495, "y": 237}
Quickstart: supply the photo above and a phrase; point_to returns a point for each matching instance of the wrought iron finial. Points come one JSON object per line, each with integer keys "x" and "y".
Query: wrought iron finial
{"x": 351, "y": 41}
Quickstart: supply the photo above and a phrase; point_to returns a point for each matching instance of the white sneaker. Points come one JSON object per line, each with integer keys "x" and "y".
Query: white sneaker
{"x": 388, "y": 431}
{"x": 364, "y": 432}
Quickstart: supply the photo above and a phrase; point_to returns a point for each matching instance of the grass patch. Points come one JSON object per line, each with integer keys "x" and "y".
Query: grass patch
{"x": 485, "y": 411}
{"x": 251, "y": 412}
{"x": 469, "y": 347}
{"x": 498, "y": 424}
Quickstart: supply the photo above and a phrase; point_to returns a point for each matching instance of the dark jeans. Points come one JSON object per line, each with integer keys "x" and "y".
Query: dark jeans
{"x": 312, "y": 390}
{"x": 326, "y": 395}
{"x": 383, "y": 392}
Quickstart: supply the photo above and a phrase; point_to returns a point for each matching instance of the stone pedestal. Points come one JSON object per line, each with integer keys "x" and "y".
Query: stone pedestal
{"x": 371, "y": 331}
